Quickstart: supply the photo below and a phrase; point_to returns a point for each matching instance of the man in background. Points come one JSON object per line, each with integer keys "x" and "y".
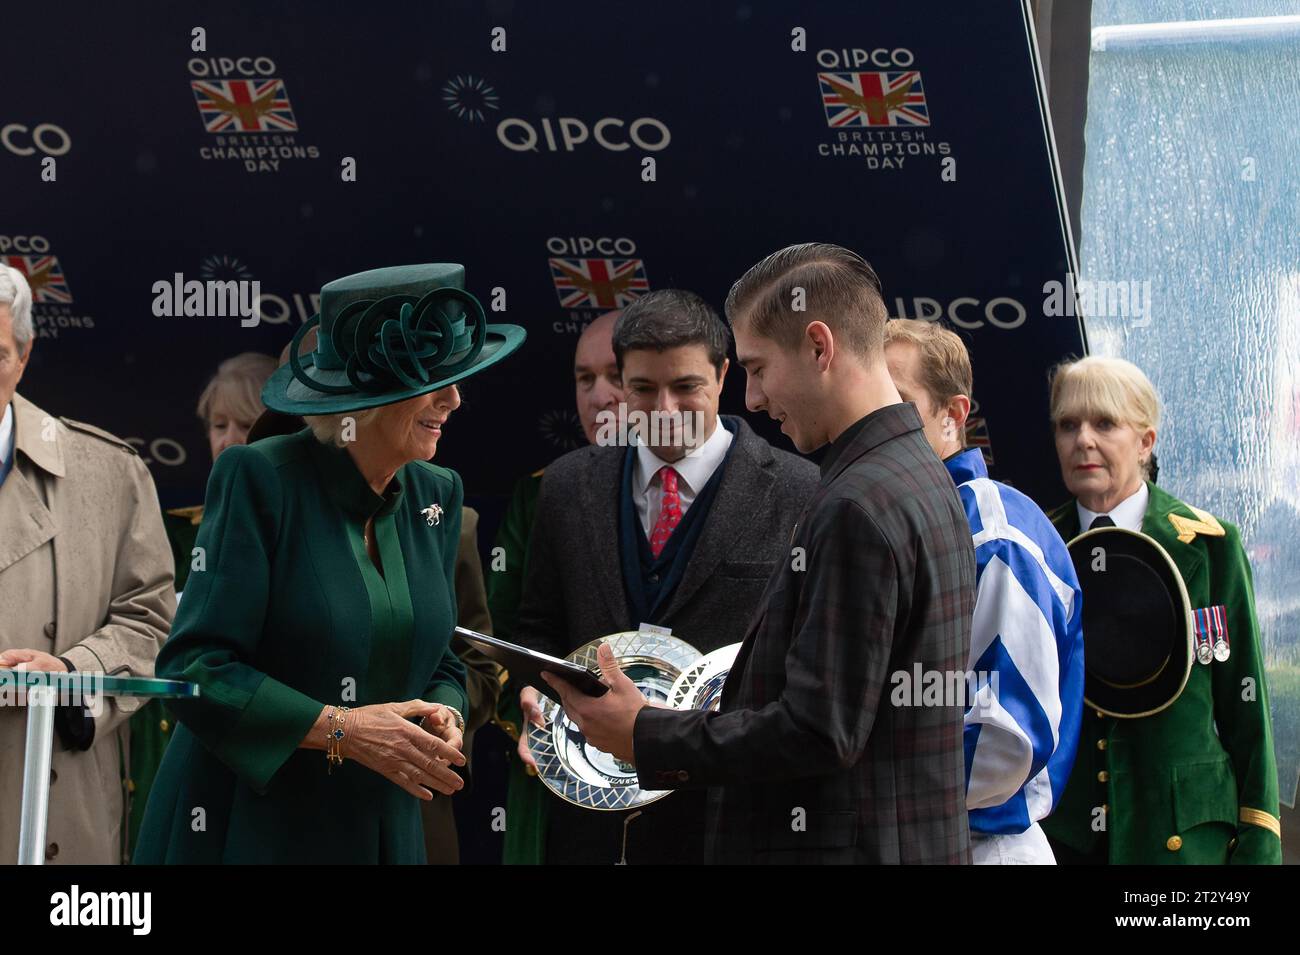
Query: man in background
{"x": 86, "y": 586}
{"x": 598, "y": 388}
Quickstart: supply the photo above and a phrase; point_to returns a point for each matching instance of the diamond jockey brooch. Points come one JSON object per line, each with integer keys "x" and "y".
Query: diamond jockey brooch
{"x": 432, "y": 514}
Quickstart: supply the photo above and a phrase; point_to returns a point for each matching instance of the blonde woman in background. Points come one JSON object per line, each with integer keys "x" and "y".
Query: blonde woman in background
{"x": 1193, "y": 780}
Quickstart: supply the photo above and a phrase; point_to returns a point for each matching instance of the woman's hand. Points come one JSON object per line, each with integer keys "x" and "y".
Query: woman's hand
{"x": 442, "y": 723}
{"x": 382, "y": 739}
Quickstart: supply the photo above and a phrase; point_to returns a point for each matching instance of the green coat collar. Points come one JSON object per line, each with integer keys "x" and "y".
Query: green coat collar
{"x": 347, "y": 486}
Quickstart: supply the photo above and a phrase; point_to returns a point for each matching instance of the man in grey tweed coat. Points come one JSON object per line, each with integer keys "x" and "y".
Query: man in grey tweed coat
{"x": 813, "y": 756}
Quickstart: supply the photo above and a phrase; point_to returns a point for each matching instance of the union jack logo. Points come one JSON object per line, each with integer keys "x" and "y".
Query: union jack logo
{"x": 598, "y": 283}
{"x": 244, "y": 106}
{"x": 874, "y": 99}
{"x": 45, "y": 276}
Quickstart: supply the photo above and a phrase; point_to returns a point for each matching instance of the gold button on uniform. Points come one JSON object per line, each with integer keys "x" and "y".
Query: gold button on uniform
{"x": 130, "y": 785}
{"x": 1174, "y": 843}
{"x": 1103, "y": 776}
{"x": 1101, "y": 744}
{"x": 164, "y": 726}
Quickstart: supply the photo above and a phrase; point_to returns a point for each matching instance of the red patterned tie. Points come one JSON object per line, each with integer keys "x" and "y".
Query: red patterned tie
{"x": 670, "y": 511}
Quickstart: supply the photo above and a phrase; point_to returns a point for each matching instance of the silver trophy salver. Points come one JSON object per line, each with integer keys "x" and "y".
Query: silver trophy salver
{"x": 570, "y": 766}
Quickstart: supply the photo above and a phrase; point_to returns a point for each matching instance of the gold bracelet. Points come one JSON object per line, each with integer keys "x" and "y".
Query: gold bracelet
{"x": 334, "y": 735}
{"x": 460, "y": 720}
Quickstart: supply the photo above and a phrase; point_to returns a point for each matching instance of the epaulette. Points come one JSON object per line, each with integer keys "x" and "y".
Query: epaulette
{"x": 98, "y": 433}
{"x": 1205, "y": 523}
{"x": 193, "y": 514}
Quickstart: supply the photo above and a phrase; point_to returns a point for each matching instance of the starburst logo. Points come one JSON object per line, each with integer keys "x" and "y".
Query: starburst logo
{"x": 562, "y": 429}
{"x": 222, "y": 267}
{"x": 468, "y": 97}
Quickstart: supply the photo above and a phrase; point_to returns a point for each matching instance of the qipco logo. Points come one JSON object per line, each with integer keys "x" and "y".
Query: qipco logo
{"x": 24, "y": 244}
{"x": 582, "y": 245}
{"x": 232, "y": 66}
{"x": 566, "y": 133}
{"x": 882, "y": 58}
{"x": 45, "y": 138}
{"x": 965, "y": 312}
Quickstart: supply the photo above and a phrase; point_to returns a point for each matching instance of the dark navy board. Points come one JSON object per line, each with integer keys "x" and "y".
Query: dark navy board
{"x": 136, "y": 201}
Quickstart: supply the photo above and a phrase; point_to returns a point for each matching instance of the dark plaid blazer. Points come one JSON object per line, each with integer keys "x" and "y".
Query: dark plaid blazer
{"x": 815, "y": 756}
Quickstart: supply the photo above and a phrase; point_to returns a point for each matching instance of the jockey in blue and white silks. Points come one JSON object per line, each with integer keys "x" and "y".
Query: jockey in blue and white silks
{"x": 1022, "y": 726}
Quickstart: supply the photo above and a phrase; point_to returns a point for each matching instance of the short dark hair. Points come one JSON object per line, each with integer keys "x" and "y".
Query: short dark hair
{"x": 838, "y": 287}
{"x": 671, "y": 318}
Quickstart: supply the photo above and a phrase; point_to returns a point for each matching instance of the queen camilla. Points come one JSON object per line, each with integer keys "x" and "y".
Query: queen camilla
{"x": 319, "y": 610}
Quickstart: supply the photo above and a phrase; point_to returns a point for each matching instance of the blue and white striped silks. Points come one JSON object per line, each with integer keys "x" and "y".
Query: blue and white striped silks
{"x": 1026, "y": 654}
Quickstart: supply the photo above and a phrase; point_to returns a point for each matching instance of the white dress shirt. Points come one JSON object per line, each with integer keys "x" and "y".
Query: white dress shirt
{"x": 693, "y": 472}
{"x": 1127, "y": 514}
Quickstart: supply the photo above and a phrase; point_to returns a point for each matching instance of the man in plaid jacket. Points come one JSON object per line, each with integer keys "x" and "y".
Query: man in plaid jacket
{"x": 824, "y": 748}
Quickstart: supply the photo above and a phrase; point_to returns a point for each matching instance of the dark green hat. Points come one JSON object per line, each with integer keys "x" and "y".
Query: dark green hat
{"x": 387, "y": 335}
{"x": 1137, "y": 622}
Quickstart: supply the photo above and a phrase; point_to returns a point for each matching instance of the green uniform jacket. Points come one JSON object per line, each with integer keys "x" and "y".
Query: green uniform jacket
{"x": 287, "y": 615}
{"x": 1170, "y": 789}
{"x": 526, "y": 798}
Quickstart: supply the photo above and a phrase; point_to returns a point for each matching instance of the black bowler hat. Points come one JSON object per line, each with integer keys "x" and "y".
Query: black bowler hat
{"x": 1137, "y": 622}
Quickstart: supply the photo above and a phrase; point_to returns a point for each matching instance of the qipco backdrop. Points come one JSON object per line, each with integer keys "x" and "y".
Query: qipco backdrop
{"x": 571, "y": 155}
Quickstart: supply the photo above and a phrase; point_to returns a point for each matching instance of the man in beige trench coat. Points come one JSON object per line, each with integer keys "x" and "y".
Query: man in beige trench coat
{"x": 86, "y": 580}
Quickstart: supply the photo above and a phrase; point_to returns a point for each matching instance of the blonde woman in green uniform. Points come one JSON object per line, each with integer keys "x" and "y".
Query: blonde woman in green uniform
{"x": 1194, "y": 782}
{"x": 318, "y": 623}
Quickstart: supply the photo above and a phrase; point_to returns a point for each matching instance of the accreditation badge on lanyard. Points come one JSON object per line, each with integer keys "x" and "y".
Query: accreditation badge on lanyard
{"x": 1212, "y": 641}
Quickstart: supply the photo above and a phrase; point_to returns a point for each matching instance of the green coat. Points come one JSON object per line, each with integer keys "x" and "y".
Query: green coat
{"x": 288, "y": 615}
{"x": 526, "y": 799}
{"x": 1174, "y": 791}
{"x": 152, "y": 724}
